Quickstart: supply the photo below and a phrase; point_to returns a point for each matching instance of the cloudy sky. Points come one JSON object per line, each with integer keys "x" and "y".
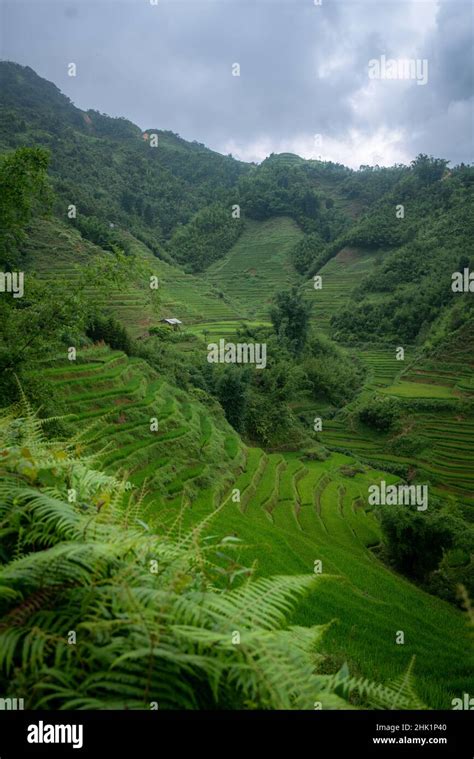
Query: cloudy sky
{"x": 304, "y": 71}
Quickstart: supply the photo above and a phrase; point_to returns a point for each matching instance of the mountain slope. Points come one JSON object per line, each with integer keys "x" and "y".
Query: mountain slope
{"x": 291, "y": 513}
{"x": 258, "y": 265}
{"x": 155, "y": 410}
{"x": 105, "y": 167}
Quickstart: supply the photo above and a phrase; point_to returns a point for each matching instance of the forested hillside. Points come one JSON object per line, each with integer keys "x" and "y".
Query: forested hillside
{"x": 205, "y": 528}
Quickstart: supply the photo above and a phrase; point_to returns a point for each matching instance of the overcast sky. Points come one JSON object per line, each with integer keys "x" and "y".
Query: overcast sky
{"x": 304, "y": 71}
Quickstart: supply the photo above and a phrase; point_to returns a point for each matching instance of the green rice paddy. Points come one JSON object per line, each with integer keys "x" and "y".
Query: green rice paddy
{"x": 292, "y": 513}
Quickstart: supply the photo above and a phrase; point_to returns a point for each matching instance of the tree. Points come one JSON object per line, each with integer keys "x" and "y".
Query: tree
{"x": 290, "y": 319}
{"x": 428, "y": 169}
{"x": 379, "y": 413}
{"x": 30, "y": 327}
{"x": 308, "y": 252}
{"x": 23, "y": 182}
{"x": 232, "y": 389}
{"x": 110, "y": 331}
{"x": 415, "y": 542}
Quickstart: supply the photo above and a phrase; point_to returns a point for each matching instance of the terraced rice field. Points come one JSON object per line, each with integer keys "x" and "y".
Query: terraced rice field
{"x": 291, "y": 514}
{"x": 446, "y": 460}
{"x": 215, "y": 330}
{"x": 419, "y": 390}
{"x": 119, "y": 398}
{"x": 340, "y": 276}
{"x": 59, "y": 251}
{"x": 383, "y": 365}
{"x": 447, "y": 457}
{"x": 448, "y": 473}
{"x": 455, "y": 374}
{"x": 257, "y": 266}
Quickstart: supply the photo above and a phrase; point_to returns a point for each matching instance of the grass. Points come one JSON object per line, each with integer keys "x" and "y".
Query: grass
{"x": 340, "y": 276}
{"x": 291, "y": 513}
{"x": 367, "y": 601}
{"x": 418, "y": 390}
{"x": 257, "y": 266}
{"x": 59, "y": 249}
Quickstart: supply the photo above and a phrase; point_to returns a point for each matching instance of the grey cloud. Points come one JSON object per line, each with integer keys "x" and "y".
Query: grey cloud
{"x": 303, "y": 68}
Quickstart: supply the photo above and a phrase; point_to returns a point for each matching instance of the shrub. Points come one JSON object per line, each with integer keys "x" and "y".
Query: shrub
{"x": 415, "y": 541}
{"x": 380, "y": 413}
{"x": 111, "y": 332}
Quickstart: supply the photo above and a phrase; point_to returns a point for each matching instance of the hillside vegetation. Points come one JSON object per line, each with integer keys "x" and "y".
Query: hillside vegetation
{"x": 209, "y": 524}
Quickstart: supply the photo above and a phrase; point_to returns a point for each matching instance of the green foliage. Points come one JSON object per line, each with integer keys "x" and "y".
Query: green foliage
{"x": 110, "y": 331}
{"x": 258, "y": 403}
{"x": 209, "y": 235}
{"x": 428, "y": 246}
{"x": 290, "y": 319}
{"x": 51, "y": 319}
{"x": 379, "y": 229}
{"x": 269, "y": 420}
{"x": 23, "y": 184}
{"x": 427, "y": 169}
{"x": 417, "y": 542}
{"x": 103, "y": 165}
{"x": 101, "y": 234}
{"x": 32, "y": 325}
{"x": 232, "y": 392}
{"x": 287, "y": 187}
{"x": 370, "y": 183}
{"x": 309, "y": 253}
{"x": 380, "y": 412}
{"x": 105, "y": 126}
{"x": 149, "y": 624}
{"x": 407, "y": 444}
{"x": 330, "y": 373}
{"x": 162, "y": 331}
{"x": 400, "y": 693}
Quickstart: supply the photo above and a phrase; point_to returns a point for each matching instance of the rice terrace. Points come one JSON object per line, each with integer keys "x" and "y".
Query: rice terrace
{"x": 236, "y": 421}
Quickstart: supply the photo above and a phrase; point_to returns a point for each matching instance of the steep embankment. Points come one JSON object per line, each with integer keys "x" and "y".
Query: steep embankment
{"x": 435, "y": 390}
{"x": 55, "y": 250}
{"x": 291, "y": 514}
{"x": 248, "y": 276}
{"x": 339, "y": 278}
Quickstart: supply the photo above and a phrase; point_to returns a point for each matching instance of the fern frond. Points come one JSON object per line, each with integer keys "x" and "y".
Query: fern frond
{"x": 400, "y": 693}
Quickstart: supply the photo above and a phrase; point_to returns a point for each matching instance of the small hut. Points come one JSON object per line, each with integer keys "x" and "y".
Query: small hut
{"x": 175, "y": 323}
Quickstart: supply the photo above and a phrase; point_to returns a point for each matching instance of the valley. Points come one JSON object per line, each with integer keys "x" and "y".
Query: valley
{"x": 191, "y": 446}
{"x": 292, "y": 511}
